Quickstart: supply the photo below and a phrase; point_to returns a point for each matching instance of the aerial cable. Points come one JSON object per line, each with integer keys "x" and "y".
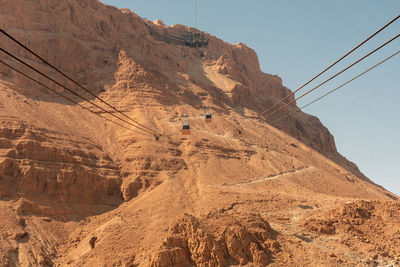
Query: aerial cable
{"x": 69, "y": 90}
{"x": 195, "y": 14}
{"x": 72, "y": 92}
{"x": 76, "y": 83}
{"x": 73, "y": 81}
{"x": 345, "y": 69}
{"x": 337, "y": 88}
{"x": 333, "y": 64}
{"x": 69, "y": 99}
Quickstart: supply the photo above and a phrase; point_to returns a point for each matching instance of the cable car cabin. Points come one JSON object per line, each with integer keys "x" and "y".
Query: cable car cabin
{"x": 185, "y": 126}
{"x": 195, "y": 39}
{"x": 185, "y": 129}
{"x": 208, "y": 117}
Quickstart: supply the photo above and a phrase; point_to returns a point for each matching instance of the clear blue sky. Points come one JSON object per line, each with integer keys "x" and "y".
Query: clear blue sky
{"x": 296, "y": 40}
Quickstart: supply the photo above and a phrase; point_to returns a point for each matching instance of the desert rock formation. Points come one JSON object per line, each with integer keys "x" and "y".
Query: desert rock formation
{"x": 76, "y": 190}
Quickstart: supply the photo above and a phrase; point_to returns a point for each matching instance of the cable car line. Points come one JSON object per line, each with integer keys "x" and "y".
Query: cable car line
{"x": 332, "y": 77}
{"x": 69, "y": 90}
{"x": 186, "y": 126}
{"x": 195, "y": 14}
{"x": 333, "y": 64}
{"x": 69, "y": 99}
{"x": 337, "y": 88}
{"x": 76, "y": 83}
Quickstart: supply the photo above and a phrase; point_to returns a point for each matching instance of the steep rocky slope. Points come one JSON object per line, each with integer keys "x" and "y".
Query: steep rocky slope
{"x": 76, "y": 190}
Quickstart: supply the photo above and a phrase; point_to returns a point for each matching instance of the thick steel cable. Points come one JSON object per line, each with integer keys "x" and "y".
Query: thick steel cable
{"x": 75, "y": 82}
{"x": 195, "y": 14}
{"x": 72, "y": 92}
{"x": 337, "y": 88}
{"x": 69, "y": 99}
{"x": 333, "y": 64}
{"x": 345, "y": 69}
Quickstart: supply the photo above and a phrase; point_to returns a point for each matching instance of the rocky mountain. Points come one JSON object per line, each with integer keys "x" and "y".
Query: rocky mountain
{"x": 76, "y": 190}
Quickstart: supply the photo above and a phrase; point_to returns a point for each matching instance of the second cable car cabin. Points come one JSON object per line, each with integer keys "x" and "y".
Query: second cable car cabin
{"x": 185, "y": 126}
{"x": 208, "y": 117}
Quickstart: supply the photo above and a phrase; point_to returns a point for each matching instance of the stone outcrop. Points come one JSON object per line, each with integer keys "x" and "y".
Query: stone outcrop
{"x": 190, "y": 242}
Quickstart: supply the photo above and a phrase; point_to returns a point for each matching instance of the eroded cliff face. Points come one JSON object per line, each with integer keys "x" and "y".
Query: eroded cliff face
{"x": 78, "y": 191}
{"x": 43, "y": 165}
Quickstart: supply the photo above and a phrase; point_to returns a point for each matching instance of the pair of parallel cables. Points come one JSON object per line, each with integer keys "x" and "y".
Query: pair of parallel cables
{"x": 137, "y": 126}
{"x": 275, "y": 108}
